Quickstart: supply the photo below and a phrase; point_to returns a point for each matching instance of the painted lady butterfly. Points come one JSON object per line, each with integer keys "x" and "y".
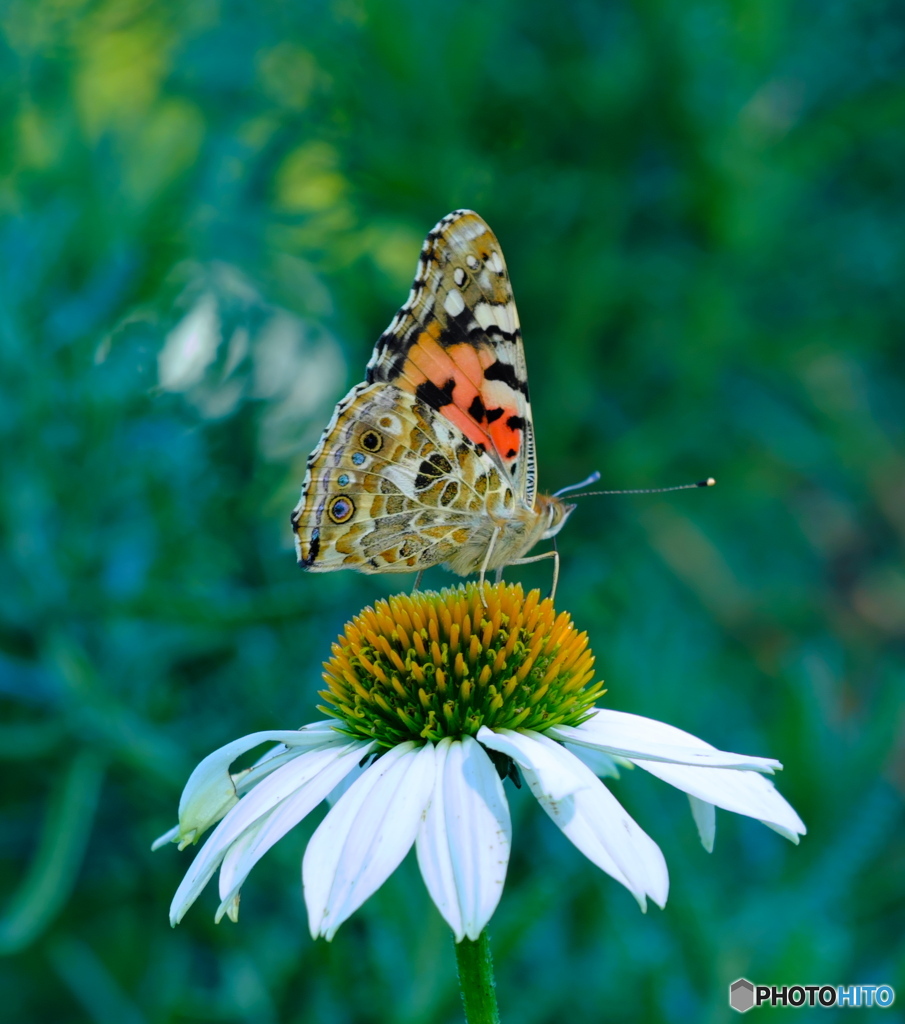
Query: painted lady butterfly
{"x": 431, "y": 459}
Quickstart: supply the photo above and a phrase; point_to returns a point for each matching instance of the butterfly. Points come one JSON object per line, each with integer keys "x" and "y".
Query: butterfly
{"x": 431, "y": 459}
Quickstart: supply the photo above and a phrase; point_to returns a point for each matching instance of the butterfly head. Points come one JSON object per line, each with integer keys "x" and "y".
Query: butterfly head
{"x": 556, "y": 512}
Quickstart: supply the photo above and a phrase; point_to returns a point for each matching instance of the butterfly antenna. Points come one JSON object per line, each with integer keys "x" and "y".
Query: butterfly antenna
{"x": 709, "y": 482}
{"x": 592, "y": 479}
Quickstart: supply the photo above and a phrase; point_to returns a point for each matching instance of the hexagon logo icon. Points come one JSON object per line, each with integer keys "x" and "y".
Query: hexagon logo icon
{"x": 741, "y": 995}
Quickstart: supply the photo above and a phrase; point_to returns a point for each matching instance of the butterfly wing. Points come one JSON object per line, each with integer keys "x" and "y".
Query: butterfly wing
{"x": 457, "y": 346}
{"x": 394, "y": 486}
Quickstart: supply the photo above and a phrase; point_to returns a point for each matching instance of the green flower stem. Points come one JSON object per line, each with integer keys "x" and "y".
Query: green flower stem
{"x": 476, "y": 980}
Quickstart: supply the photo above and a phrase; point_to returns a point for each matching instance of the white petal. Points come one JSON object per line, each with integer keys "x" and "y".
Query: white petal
{"x": 635, "y": 737}
{"x": 231, "y": 909}
{"x": 210, "y": 791}
{"x": 463, "y": 844}
{"x": 285, "y": 780}
{"x": 229, "y": 897}
{"x": 167, "y": 837}
{"x": 308, "y": 737}
{"x": 364, "y": 838}
{"x": 559, "y": 778}
{"x": 602, "y": 765}
{"x": 786, "y": 833}
{"x": 251, "y": 846}
{"x": 704, "y": 815}
{"x": 334, "y": 795}
{"x": 742, "y": 792}
{"x": 591, "y": 817}
{"x": 267, "y": 763}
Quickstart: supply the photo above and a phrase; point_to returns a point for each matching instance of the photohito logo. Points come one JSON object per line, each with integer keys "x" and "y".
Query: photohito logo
{"x": 744, "y": 994}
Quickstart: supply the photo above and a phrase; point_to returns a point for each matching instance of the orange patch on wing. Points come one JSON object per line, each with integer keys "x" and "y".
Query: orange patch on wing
{"x": 465, "y": 364}
{"x": 468, "y": 361}
{"x": 506, "y": 439}
{"x": 466, "y": 424}
{"x": 457, "y": 363}
{"x": 430, "y": 358}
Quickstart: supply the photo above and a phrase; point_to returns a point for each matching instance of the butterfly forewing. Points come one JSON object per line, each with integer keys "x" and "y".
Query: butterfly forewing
{"x": 457, "y": 345}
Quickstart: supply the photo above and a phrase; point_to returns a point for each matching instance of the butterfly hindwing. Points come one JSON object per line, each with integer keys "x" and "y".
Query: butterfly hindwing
{"x": 394, "y": 487}
{"x": 456, "y": 345}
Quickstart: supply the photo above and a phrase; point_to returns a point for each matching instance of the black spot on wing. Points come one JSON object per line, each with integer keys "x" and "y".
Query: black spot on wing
{"x": 458, "y": 328}
{"x": 396, "y": 367}
{"x": 505, "y": 373}
{"x": 500, "y": 334}
{"x": 515, "y": 423}
{"x": 477, "y": 334}
{"x": 383, "y": 370}
{"x": 493, "y": 415}
{"x": 434, "y": 396}
{"x": 477, "y": 411}
{"x": 432, "y": 469}
{"x": 313, "y": 549}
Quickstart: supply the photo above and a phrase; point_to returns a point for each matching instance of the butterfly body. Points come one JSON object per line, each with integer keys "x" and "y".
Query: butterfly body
{"x": 431, "y": 459}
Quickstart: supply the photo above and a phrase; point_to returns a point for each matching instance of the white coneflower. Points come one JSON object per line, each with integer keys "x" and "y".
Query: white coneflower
{"x": 444, "y": 696}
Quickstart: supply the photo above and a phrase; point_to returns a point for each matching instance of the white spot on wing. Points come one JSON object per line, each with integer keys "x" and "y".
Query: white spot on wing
{"x": 495, "y": 262}
{"x": 454, "y": 303}
{"x": 444, "y": 432}
{"x": 489, "y": 315}
{"x": 459, "y": 276}
{"x": 402, "y": 478}
{"x": 500, "y": 315}
{"x": 472, "y": 262}
{"x": 497, "y": 394}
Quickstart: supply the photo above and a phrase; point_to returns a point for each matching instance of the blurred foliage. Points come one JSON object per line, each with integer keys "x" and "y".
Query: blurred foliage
{"x": 210, "y": 210}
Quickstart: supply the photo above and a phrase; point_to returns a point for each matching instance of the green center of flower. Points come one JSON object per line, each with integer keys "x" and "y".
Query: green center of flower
{"x": 428, "y": 665}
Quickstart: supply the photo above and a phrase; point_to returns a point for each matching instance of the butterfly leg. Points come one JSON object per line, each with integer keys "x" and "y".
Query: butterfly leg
{"x": 498, "y": 576}
{"x": 537, "y": 558}
{"x": 493, "y": 537}
{"x": 418, "y": 580}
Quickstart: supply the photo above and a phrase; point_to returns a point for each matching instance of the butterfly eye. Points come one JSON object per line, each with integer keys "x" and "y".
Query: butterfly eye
{"x": 371, "y": 441}
{"x": 341, "y": 509}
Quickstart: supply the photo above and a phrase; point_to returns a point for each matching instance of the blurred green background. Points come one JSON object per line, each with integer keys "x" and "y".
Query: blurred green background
{"x": 210, "y": 210}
